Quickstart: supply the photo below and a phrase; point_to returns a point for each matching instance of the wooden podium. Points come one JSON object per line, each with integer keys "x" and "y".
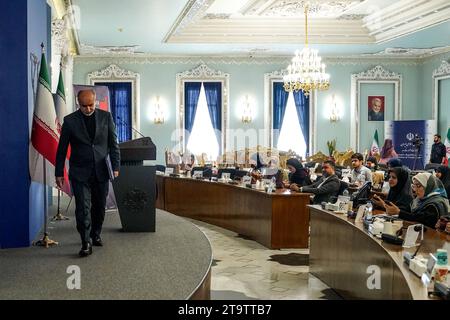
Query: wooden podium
{"x": 135, "y": 187}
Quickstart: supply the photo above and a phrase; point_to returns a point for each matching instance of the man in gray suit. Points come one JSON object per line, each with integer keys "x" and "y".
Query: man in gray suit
{"x": 92, "y": 137}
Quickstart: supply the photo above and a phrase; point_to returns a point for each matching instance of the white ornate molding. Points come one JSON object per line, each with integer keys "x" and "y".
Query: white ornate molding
{"x": 202, "y": 71}
{"x": 114, "y": 73}
{"x": 318, "y": 9}
{"x": 200, "y": 74}
{"x": 443, "y": 70}
{"x": 241, "y": 60}
{"x": 441, "y": 73}
{"x": 60, "y": 40}
{"x": 376, "y": 75}
{"x": 194, "y": 10}
{"x": 108, "y": 50}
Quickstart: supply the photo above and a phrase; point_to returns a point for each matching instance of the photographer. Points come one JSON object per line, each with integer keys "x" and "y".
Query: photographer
{"x": 438, "y": 151}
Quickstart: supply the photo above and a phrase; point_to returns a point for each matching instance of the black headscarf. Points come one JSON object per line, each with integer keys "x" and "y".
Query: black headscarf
{"x": 374, "y": 161}
{"x": 401, "y": 194}
{"x": 300, "y": 176}
{"x": 445, "y": 178}
{"x": 395, "y": 163}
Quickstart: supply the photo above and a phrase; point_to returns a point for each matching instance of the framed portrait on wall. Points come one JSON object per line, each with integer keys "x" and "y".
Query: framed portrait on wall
{"x": 376, "y": 108}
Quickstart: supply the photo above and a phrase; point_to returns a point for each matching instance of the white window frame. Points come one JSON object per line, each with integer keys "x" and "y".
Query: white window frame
{"x": 269, "y": 80}
{"x": 202, "y": 73}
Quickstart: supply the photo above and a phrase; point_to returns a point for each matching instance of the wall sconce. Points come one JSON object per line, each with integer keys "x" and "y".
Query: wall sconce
{"x": 334, "y": 114}
{"x": 158, "y": 117}
{"x": 247, "y": 112}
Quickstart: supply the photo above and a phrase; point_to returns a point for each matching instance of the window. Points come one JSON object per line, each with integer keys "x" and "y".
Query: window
{"x": 120, "y": 107}
{"x": 203, "y": 138}
{"x": 291, "y": 135}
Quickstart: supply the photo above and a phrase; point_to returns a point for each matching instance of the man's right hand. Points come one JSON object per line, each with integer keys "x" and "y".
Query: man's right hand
{"x": 60, "y": 182}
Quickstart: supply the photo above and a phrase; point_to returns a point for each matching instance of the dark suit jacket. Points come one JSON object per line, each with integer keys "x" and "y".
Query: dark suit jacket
{"x": 373, "y": 116}
{"x": 327, "y": 190}
{"x": 87, "y": 155}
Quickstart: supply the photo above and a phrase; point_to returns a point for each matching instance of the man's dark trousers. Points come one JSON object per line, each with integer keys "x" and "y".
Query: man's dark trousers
{"x": 90, "y": 203}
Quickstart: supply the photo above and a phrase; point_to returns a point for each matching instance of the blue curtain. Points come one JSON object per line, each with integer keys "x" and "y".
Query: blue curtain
{"x": 213, "y": 91}
{"x": 302, "y": 106}
{"x": 120, "y": 108}
{"x": 191, "y": 96}
{"x": 280, "y": 99}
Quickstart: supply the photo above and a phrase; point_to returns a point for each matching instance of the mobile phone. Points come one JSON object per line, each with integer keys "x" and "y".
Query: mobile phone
{"x": 388, "y": 202}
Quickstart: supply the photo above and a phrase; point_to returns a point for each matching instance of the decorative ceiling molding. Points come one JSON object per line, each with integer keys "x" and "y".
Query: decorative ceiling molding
{"x": 377, "y": 73}
{"x": 281, "y": 21}
{"x": 240, "y": 60}
{"x": 211, "y": 16}
{"x": 406, "y": 16}
{"x": 443, "y": 70}
{"x": 109, "y": 50}
{"x": 295, "y": 8}
{"x": 410, "y": 52}
{"x": 193, "y": 11}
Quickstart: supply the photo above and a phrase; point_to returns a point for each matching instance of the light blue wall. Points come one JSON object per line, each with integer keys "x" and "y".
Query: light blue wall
{"x": 160, "y": 79}
{"x": 427, "y": 69}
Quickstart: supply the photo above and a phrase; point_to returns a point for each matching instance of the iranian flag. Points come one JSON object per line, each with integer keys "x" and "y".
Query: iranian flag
{"x": 375, "y": 149}
{"x": 61, "y": 112}
{"x": 447, "y": 145}
{"x": 44, "y": 132}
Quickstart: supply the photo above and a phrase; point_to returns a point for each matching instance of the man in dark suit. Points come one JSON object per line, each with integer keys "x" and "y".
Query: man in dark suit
{"x": 92, "y": 137}
{"x": 327, "y": 187}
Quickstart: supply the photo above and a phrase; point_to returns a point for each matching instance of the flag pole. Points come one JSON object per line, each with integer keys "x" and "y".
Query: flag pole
{"x": 46, "y": 241}
{"x": 59, "y": 216}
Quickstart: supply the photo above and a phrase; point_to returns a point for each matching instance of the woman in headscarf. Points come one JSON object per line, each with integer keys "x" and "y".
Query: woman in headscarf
{"x": 429, "y": 204}
{"x": 400, "y": 190}
{"x": 372, "y": 163}
{"x": 387, "y": 152}
{"x": 298, "y": 174}
{"x": 397, "y": 163}
{"x": 443, "y": 173}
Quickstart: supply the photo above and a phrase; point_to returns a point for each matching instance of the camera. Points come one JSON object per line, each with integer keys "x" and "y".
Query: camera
{"x": 417, "y": 141}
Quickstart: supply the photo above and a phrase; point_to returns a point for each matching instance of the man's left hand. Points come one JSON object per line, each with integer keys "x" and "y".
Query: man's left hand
{"x": 116, "y": 174}
{"x": 295, "y": 187}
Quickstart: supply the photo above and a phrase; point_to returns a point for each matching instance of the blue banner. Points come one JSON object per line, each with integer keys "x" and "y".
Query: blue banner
{"x": 412, "y": 141}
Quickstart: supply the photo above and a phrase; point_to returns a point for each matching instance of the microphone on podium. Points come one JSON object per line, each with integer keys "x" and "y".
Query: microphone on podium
{"x": 128, "y": 126}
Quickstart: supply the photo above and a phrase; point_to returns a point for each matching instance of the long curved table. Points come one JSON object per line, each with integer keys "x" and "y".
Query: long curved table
{"x": 277, "y": 220}
{"x": 343, "y": 254}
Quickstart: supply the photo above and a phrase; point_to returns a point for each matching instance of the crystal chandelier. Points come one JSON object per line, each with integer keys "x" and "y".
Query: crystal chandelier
{"x": 306, "y": 72}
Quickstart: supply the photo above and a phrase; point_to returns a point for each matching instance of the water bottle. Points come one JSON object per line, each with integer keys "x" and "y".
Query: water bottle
{"x": 369, "y": 209}
{"x": 346, "y": 193}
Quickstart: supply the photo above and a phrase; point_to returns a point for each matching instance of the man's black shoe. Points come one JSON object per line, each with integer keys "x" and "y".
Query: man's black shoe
{"x": 97, "y": 241}
{"x": 86, "y": 250}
